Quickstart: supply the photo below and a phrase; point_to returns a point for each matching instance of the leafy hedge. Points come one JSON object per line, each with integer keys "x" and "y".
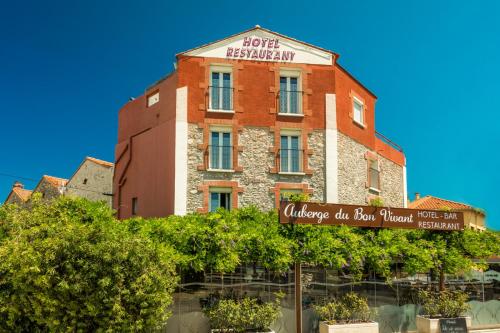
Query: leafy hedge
{"x": 70, "y": 265}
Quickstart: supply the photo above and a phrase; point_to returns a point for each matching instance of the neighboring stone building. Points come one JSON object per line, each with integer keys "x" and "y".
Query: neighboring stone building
{"x": 92, "y": 180}
{"x": 245, "y": 119}
{"x": 18, "y": 195}
{"x": 50, "y": 187}
{"x": 474, "y": 218}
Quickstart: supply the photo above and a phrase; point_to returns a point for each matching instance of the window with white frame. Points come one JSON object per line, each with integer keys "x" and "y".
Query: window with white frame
{"x": 374, "y": 175}
{"x": 153, "y": 99}
{"x": 220, "y": 148}
{"x": 220, "y": 197}
{"x": 221, "y": 88}
{"x": 358, "y": 111}
{"x": 290, "y": 95}
{"x": 290, "y": 152}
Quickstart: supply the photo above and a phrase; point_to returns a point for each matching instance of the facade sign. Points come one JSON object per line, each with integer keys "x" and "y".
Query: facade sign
{"x": 262, "y": 46}
{"x": 368, "y": 216}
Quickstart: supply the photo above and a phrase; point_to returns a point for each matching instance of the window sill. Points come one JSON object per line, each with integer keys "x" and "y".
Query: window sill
{"x": 220, "y": 111}
{"x": 359, "y": 124}
{"x": 373, "y": 189}
{"x": 291, "y": 173}
{"x": 221, "y": 170}
{"x": 291, "y": 114}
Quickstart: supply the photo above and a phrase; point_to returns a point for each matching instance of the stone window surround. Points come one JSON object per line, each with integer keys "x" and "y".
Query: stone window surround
{"x": 236, "y": 129}
{"x": 305, "y": 71}
{"x": 352, "y": 96}
{"x": 370, "y": 157}
{"x": 207, "y": 64}
{"x": 281, "y": 186}
{"x": 205, "y": 188}
{"x": 304, "y": 133}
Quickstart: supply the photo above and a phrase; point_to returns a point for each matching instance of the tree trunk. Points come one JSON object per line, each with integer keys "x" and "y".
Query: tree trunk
{"x": 442, "y": 285}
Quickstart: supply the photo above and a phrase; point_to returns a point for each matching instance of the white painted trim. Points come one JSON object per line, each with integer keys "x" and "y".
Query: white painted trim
{"x": 290, "y": 114}
{"x": 220, "y": 111}
{"x": 292, "y": 173}
{"x": 405, "y": 187}
{"x": 331, "y": 150}
{"x": 181, "y": 155}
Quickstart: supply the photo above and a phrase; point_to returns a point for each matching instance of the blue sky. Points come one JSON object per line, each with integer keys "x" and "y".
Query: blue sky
{"x": 66, "y": 68}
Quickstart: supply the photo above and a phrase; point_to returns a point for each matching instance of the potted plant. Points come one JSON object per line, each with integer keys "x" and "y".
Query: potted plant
{"x": 440, "y": 305}
{"x": 349, "y": 313}
{"x": 247, "y": 314}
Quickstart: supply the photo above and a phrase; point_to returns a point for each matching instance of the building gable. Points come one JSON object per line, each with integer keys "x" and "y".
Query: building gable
{"x": 260, "y": 44}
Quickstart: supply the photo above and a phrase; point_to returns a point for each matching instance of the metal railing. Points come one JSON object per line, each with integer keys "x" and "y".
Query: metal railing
{"x": 389, "y": 142}
{"x": 220, "y": 157}
{"x": 290, "y": 101}
{"x": 290, "y": 160}
{"x": 221, "y": 98}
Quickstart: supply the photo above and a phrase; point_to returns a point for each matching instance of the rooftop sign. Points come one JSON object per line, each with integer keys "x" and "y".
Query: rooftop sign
{"x": 263, "y": 45}
{"x": 368, "y": 216}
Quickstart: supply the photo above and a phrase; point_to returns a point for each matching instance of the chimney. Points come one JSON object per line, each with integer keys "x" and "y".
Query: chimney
{"x": 17, "y": 184}
{"x": 417, "y": 195}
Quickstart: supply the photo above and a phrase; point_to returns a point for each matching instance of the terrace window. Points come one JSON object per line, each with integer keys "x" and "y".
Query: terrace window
{"x": 290, "y": 95}
{"x": 290, "y": 154}
{"x": 220, "y": 150}
{"x": 221, "y": 89}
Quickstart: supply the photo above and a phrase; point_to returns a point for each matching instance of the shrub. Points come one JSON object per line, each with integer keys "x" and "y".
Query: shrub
{"x": 444, "y": 304}
{"x": 242, "y": 315}
{"x": 69, "y": 265}
{"x": 350, "y": 308}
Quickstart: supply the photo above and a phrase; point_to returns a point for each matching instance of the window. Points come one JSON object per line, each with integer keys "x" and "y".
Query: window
{"x": 220, "y": 149}
{"x": 221, "y": 90}
{"x": 134, "y": 206}
{"x": 290, "y": 94}
{"x": 290, "y": 153}
{"x": 373, "y": 175}
{"x": 153, "y": 99}
{"x": 358, "y": 111}
{"x": 285, "y": 194}
{"x": 85, "y": 181}
{"x": 220, "y": 198}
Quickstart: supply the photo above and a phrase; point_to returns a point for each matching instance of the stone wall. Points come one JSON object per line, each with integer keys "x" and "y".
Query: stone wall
{"x": 92, "y": 181}
{"x": 256, "y": 160}
{"x": 353, "y": 175}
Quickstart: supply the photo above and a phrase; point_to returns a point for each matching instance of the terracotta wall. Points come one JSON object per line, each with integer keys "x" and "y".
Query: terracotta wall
{"x": 144, "y": 155}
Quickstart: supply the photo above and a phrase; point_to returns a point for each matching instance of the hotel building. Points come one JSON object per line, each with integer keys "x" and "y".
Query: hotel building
{"x": 244, "y": 120}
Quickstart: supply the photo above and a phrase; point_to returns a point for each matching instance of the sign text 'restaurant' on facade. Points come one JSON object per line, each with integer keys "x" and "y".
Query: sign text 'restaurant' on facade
{"x": 368, "y": 216}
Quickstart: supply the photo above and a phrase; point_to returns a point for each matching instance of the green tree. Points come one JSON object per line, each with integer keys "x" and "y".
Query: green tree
{"x": 68, "y": 265}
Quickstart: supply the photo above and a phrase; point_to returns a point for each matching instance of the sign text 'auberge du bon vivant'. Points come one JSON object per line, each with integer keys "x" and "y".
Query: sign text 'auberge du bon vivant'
{"x": 369, "y": 216}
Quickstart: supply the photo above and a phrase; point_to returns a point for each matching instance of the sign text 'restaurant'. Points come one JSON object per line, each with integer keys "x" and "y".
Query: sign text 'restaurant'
{"x": 368, "y": 216}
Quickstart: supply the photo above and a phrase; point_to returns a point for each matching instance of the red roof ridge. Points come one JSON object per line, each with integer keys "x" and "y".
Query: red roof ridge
{"x": 22, "y": 193}
{"x": 55, "y": 181}
{"x": 435, "y": 201}
{"x": 100, "y": 162}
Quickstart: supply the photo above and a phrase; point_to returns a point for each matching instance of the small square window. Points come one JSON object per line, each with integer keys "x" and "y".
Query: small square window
{"x": 220, "y": 198}
{"x": 134, "y": 206}
{"x": 374, "y": 175}
{"x": 153, "y": 99}
{"x": 286, "y": 194}
{"x": 358, "y": 111}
